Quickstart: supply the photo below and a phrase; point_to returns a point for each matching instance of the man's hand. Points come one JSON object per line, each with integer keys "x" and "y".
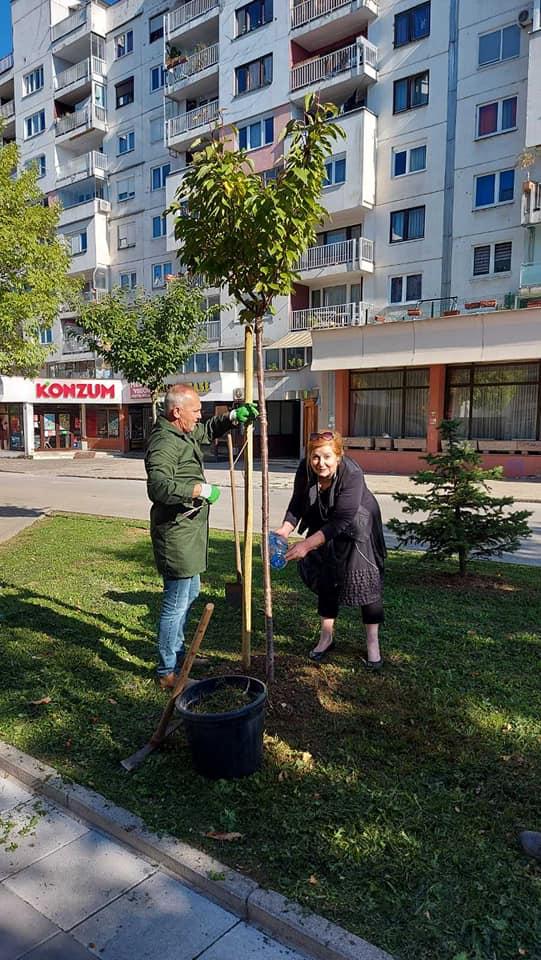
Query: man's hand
{"x": 298, "y": 550}
{"x": 210, "y": 492}
{"x": 245, "y": 414}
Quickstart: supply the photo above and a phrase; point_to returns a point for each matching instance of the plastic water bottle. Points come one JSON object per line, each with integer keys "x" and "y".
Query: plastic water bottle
{"x": 277, "y": 550}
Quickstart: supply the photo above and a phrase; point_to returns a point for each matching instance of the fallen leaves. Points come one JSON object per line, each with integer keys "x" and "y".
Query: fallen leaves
{"x": 38, "y": 703}
{"x": 228, "y": 837}
{"x": 313, "y": 880}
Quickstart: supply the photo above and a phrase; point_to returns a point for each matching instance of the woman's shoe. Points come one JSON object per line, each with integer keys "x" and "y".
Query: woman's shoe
{"x": 318, "y": 655}
{"x": 373, "y": 666}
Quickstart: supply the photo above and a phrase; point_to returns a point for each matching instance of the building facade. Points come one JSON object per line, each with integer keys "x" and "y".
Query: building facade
{"x": 422, "y": 296}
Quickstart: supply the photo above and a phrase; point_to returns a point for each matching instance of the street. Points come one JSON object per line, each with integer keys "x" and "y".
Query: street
{"x": 33, "y": 493}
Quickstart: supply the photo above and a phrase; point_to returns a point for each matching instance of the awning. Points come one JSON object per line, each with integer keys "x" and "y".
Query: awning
{"x": 299, "y": 338}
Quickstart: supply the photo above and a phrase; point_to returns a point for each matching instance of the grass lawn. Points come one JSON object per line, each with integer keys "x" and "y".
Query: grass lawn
{"x": 389, "y": 803}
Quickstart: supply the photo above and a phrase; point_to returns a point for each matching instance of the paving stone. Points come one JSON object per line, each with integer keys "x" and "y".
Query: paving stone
{"x": 72, "y": 883}
{"x": 12, "y": 793}
{"x": 61, "y": 947}
{"x": 161, "y": 918}
{"x": 21, "y": 927}
{"x": 39, "y": 828}
{"x": 245, "y": 941}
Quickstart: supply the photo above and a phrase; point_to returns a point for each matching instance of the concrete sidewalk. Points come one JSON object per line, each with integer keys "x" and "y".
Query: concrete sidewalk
{"x": 281, "y": 475}
{"x": 72, "y": 891}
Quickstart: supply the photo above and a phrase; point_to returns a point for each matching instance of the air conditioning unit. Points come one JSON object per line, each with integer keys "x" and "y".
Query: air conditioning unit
{"x": 104, "y": 206}
{"x": 238, "y": 393}
{"x": 525, "y": 18}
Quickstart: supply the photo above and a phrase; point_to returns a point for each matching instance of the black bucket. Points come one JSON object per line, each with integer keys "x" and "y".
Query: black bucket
{"x": 225, "y": 745}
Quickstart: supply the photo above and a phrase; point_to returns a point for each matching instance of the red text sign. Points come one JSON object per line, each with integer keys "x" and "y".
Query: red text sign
{"x": 52, "y": 390}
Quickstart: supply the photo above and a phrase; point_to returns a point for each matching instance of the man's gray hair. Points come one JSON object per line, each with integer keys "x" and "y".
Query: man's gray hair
{"x": 176, "y": 396}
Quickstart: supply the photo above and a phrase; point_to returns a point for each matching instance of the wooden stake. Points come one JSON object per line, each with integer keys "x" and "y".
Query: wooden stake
{"x": 267, "y": 587}
{"x": 247, "y": 574}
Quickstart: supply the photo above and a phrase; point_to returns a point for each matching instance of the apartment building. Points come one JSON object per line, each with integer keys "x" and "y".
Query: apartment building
{"x": 422, "y": 295}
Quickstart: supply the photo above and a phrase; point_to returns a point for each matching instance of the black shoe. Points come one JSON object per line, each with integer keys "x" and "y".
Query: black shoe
{"x": 373, "y": 666}
{"x": 318, "y": 656}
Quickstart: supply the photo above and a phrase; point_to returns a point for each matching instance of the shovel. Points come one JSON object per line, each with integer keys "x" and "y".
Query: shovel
{"x": 167, "y": 726}
{"x": 233, "y": 591}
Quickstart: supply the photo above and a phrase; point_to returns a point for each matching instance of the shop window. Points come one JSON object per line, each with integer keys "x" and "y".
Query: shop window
{"x": 102, "y": 423}
{"x": 11, "y": 427}
{"x": 495, "y": 401}
{"x": 390, "y": 403}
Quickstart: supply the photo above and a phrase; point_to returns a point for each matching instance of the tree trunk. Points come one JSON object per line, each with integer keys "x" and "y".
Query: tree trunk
{"x": 248, "y": 503}
{"x": 154, "y": 397}
{"x": 462, "y": 558}
{"x": 267, "y": 589}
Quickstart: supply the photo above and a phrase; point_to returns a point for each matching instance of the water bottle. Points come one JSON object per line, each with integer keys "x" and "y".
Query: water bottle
{"x": 277, "y": 550}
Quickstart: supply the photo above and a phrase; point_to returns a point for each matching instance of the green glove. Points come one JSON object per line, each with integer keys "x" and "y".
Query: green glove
{"x": 210, "y": 492}
{"x": 247, "y": 413}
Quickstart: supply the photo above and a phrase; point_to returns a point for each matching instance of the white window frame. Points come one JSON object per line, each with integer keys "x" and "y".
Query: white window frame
{"x": 500, "y": 59}
{"x": 127, "y": 194}
{"x": 78, "y": 242}
{"x": 334, "y": 160}
{"x": 159, "y": 273}
{"x": 131, "y": 277}
{"x": 31, "y": 119}
{"x": 404, "y": 278}
{"x": 125, "y": 235}
{"x": 261, "y": 121}
{"x": 163, "y": 226}
{"x": 125, "y": 136}
{"x": 495, "y": 203}
{"x": 158, "y": 121}
{"x": 491, "y": 272}
{"x": 127, "y": 36}
{"x": 408, "y": 151}
{"x": 161, "y": 167}
{"x": 160, "y": 75}
{"x": 498, "y": 131}
{"x": 157, "y": 16}
{"x": 33, "y": 79}
{"x": 46, "y": 336}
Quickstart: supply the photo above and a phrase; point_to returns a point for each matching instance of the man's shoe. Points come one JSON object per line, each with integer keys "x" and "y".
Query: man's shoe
{"x": 530, "y": 842}
{"x": 167, "y": 681}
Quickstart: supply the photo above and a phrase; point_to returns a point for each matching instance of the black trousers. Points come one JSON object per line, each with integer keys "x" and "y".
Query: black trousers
{"x": 328, "y": 607}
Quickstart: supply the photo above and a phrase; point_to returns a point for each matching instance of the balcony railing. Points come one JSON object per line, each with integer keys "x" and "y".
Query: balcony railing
{"x": 339, "y": 315}
{"x": 68, "y": 24}
{"x": 333, "y": 254}
{"x": 302, "y": 13}
{"x": 192, "y": 119}
{"x": 85, "y": 166}
{"x": 352, "y": 57}
{"x": 192, "y": 65}
{"x": 7, "y": 110}
{"x": 212, "y": 330}
{"x": 80, "y": 118}
{"x": 80, "y": 71}
{"x": 530, "y": 275}
{"x": 6, "y": 63}
{"x": 189, "y": 11}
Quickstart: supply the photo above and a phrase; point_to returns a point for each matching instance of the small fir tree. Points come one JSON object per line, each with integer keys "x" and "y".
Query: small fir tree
{"x": 462, "y": 518}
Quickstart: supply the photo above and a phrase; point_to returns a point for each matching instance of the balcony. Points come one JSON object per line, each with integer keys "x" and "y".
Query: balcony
{"x": 181, "y": 130}
{"x": 338, "y": 73}
{"x": 323, "y": 22}
{"x": 69, "y": 24}
{"x": 199, "y": 70}
{"x": 80, "y": 204}
{"x": 7, "y": 110}
{"x": 212, "y": 330}
{"x": 6, "y": 63}
{"x": 92, "y": 164}
{"x": 530, "y": 276}
{"x": 337, "y": 259}
{"x": 92, "y": 119}
{"x": 79, "y": 76}
{"x": 189, "y": 16}
{"x": 326, "y": 318}
{"x": 531, "y": 203}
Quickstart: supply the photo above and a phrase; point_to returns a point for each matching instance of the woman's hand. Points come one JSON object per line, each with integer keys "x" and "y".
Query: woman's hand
{"x": 283, "y": 531}
{"x": 298, "y": 550}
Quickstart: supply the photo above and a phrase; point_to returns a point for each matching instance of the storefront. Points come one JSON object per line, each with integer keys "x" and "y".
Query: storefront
{"x": 11, "y": 427}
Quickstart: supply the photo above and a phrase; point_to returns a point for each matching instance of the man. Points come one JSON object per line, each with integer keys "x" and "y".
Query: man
{"x": 179, "y": 517}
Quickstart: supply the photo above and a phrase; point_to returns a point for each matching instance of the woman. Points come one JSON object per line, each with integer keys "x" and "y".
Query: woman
{"x": 342, "y": 557}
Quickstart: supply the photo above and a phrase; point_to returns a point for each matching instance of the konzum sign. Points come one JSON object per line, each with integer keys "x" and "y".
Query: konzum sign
{"x": 52, "y": 390}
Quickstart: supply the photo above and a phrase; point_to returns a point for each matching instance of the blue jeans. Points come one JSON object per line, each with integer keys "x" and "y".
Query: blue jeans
{"x": 177, "y": 599}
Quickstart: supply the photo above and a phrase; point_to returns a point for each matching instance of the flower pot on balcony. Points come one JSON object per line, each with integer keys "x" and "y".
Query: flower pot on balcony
{"x": 489, "y": 303}
{"x": 414, "y": 312}
{"x": 450, "y": 313}
{"x": 474, "y": 305}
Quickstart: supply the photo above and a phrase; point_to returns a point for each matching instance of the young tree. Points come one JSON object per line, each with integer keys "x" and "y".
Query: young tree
{"x": 462, "y": 518}
{"x": 34, "y": 264}
{"x": 146, "y": 338}
{"x": 239, "y": 232}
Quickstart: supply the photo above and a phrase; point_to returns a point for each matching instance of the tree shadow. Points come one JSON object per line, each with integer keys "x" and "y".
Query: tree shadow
{"x": 13, "y": 511}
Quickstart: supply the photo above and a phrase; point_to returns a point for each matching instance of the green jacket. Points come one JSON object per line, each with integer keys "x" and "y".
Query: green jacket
{"x": 174, "y": 464}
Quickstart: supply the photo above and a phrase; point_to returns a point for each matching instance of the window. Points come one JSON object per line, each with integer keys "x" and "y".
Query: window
{"x": 159, "y": 226}
{"x": 128, "y": 281}
{"x": 256, "y": 134}
{"x": 389, "y": 402}
{"x": 409, "y": 161}
{"x": 160, "y": 272}
{"x": 33, "y": 81}
{"x": 156, "y": 130}
{"x": 78, "y": 243}
{"x": 157, "y": 77}
{"x": 410, "y": 92}
{"x": 126, "y": 142}
{"x": 125, "y": 189}
{"x": 407, "y": 224}
{"x": 252, "y": 16}
{"x": 45, "y": 335}
{"x": 102, "y": 422}
{"x": 123, "y": 44}
{"x": 336, "y": 171}
{"x": 155, "y": 28}
{"x": 492, "y": 188}
{"x": 412, "y": 24}
{"x": 39, "y": 163}
{"x": 499, "y": 45}
{"x": 126, "y": 235}
{"x": 124, "y": 93}
{"x": 253, "y": 75}
{"x": 495, "y": 401}
{"x": 497, "y": 256}
{"x": 34, "y": 124}
{"x": 406, "y": 289}
{"x": 497, "y": 117}
{"x": 158, "y": 176}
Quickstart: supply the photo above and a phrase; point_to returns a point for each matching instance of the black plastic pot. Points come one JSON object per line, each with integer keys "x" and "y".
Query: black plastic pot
{"x": 225, "y": 745}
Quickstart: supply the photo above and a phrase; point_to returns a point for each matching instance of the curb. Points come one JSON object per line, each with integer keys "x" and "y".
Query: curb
{"x": 283, "y": 919}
